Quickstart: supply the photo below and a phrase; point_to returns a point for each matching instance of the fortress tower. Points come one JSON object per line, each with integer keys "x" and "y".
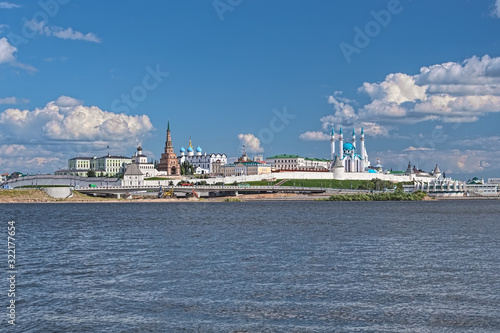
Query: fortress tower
{"x": 168, "y": 160}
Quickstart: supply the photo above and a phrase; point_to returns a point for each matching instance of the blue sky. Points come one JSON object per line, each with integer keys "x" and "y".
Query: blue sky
{"x": 422, "y": 77}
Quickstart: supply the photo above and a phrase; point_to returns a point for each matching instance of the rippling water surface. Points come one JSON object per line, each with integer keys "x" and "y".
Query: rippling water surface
{"x": 257, "y": 267}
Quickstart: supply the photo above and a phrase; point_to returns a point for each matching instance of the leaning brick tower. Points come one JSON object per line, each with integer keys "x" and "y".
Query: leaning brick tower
{"x": 168, "y": 160}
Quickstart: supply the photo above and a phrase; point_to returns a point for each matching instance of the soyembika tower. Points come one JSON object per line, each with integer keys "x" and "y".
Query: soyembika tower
{"x": 168, "y": 160}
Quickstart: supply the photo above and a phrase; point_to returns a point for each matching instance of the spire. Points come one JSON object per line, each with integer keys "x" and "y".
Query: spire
{"x": 409, "y": 169}
{"x": 362, "y": 131}
{"x": 333, "y": 132}
{"x": 340, "y": 130}
{"x": 168, "y": 125}
{"x": 337, "y": 163}
{"x": 353, "y": 141}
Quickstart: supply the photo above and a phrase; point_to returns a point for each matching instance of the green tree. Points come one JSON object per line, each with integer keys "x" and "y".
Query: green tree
{"x": 187, "y": 168}
{"x": 91, "y": 173}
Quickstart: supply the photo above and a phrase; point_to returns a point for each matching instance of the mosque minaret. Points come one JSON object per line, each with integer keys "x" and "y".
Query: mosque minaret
{"x": 352, "y": 156}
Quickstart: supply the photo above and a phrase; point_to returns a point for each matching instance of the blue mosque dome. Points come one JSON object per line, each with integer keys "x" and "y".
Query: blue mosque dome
{"x": 348, "y": 146}
{"x": 190, "y": 149}
{"x": 198, "y": 149}
{"x": 182, "y": 149}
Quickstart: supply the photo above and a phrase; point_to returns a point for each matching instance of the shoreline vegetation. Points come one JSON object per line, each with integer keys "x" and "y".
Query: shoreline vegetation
{"x": 390, "y": 196}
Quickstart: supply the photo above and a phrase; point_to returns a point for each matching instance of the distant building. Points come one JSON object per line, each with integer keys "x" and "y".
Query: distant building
{"x": 246, "y": 169}
{"x": 244, "y": 166}
{"x": 477, "y": 187}
{"x": 352, "y": 157}
{"x": 493, "y": 180}
{"x": 148, "y": 169}
{"x": 168, "y": 161}
{"x": 108, "y": 165}
{"x": 16, "y": 175}
{"x": 133, "y": 176}
{"x": 296, "y": 163}
{"x": 4, "y": 177}
{"x": 437, "y": 187}
{"x": 203, "y": 163}
{"x": 475, "y": 181}
{"x": 77, "y": 166}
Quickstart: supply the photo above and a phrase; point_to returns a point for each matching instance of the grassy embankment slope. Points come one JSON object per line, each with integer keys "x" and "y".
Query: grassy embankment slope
{"x": 390, "y": 196}
{"x": 374, "y": 184}
{"x": 35, "y": 195}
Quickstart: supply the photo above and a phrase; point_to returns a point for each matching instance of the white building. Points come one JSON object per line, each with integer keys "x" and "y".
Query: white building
{"x": 477, "y": 187}
{"x": 148, "y": 169}
{"x": 493, "y": 180}
{"x": 107, "y": 165}
{"x": 295, "y": 162}
{"x": 249, "y": 168}
{"x": 437, "y": 187}
{"x": 204, "y": 163}
{"x": 133, "y": 176}
{"x": 354, "y": 158}
{"x": 482, "y": 189}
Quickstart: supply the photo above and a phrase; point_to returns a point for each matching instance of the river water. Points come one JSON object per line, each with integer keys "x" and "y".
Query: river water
{"x": 256, "y": 267}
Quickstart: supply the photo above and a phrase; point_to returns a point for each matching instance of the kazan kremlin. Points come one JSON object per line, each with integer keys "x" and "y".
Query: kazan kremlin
{"x": 348, "y": 161}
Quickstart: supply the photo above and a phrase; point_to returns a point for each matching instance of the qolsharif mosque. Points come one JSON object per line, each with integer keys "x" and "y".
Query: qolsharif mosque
{"x": 353, "y": 159}
{"x": 351, "y": 162}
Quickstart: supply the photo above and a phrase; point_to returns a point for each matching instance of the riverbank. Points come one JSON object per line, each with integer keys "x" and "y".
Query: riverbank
{"x": 39, "y": 196}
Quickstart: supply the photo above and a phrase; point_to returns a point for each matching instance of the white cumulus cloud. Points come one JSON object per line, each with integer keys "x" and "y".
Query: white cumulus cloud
{"x": 496, "y": 9}
{"x": 251, "y": 142}
{"x": 7, "y": 56}
{"x": 43, "y": 29}
{"x": 314, "y": 136}
{"x": 65, "y": 119}
{"x": 374, "y": 129}
{"x": 8, "y": 5}
{"x": 66, "y": 101}
{"x": 396, "y": 88}
{"x": 448, "y": 92}
{"x": 6, "y": 51}
{"x": 30, "y": 159}
{"x": 411, "y": 148}
{"x": 343, "y": 113}
{"x": 13, "y": 100}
